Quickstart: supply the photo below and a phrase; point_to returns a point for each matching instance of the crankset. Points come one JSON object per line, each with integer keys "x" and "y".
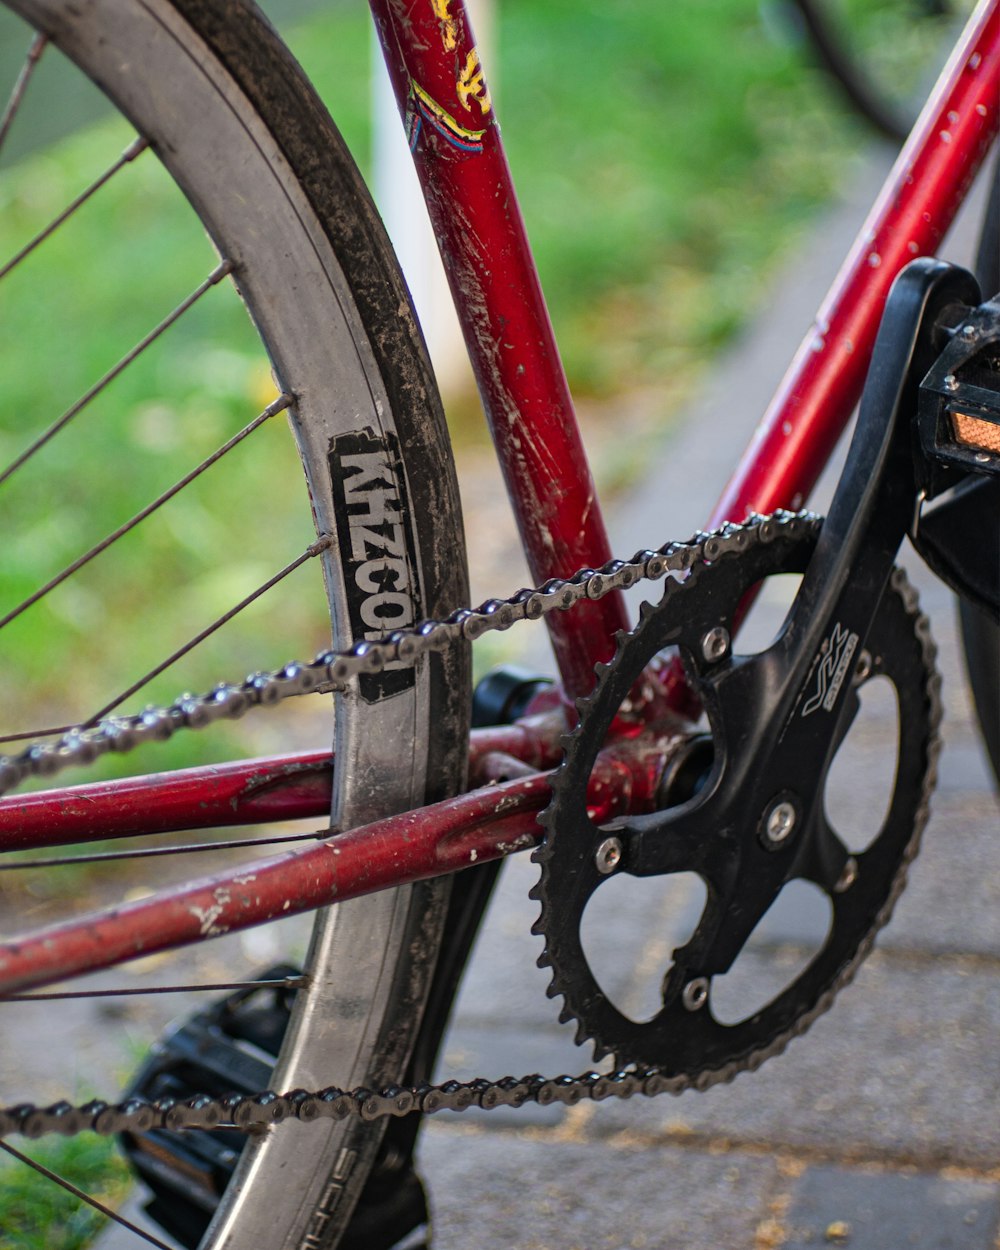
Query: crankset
{"x": 757, "y": 819}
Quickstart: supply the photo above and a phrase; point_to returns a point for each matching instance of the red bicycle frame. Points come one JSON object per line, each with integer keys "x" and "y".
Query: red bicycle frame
{"x": 451, "y": 125}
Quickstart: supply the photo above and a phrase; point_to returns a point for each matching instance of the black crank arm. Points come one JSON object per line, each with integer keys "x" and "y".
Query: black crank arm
{"x": 876, "y": 496}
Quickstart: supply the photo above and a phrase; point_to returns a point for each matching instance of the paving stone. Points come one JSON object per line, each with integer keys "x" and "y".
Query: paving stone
{"x": 905, "y": 1065}
{"x": 490, "y": 1050}
{"x": 952, "y": 899}
{"x": 876, "y": 1210}
{"x": 503, "y": 982}
{"x": 501, "y": 1191}
{"x": 964, "y": 765}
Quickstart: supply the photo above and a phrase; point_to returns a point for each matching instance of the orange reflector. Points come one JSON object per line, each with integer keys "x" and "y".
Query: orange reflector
{"x": 976, "y": 432}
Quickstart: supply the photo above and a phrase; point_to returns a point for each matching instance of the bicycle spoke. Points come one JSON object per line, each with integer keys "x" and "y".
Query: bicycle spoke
{"x": 289, "y": 983}
{"x": 215, "y": 277}
{"x": 84, "y": 1197}
{"x": 188, "y": 848}
{"x": 314, "y": 549}
{"x": 137, "y": 146}
{"x": 276, "y": 406}
{"x": 36, "y": 733}
{"x": 21, "y": 85}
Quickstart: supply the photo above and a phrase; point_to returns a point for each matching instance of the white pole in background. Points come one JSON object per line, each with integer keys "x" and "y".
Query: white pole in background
{"x": 397, "y": 194}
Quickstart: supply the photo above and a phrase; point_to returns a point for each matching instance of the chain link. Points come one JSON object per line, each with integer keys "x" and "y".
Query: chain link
{"x": 250, "y": 1111}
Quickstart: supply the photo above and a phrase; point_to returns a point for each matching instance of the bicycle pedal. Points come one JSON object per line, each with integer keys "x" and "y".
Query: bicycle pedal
{"x": 958, "y": 421}
{"x": 959, "y": 406}
{"x": 230, "y": 1047}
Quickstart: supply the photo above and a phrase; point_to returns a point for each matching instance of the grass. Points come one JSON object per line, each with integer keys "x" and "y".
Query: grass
{"x": 38, "y": 1215}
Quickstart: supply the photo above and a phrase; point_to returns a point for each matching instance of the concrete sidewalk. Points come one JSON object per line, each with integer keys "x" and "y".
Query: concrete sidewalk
{"x": 881, "y": 1128}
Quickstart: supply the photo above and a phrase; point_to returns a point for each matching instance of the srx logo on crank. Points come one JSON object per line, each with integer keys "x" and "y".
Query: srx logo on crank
{"x": 829, "y": 669}
{"x": 377, "y": 548}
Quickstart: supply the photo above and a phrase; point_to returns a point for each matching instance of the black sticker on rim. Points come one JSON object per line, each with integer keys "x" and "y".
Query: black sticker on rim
{"x": 377, "y": 548}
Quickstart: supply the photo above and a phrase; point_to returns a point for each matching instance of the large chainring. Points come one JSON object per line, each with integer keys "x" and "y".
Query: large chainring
{"x": 744, "y": 861}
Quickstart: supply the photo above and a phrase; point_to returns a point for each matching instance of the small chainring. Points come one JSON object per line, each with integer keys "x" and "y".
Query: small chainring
{"x": 744, "y": 860}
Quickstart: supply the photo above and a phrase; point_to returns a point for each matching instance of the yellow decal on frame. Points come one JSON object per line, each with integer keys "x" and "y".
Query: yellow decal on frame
{"x": 471, "y": 83}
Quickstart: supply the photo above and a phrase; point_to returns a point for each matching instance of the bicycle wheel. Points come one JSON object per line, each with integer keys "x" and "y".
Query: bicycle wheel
{"x": 222, "y": 105}
{"x": 879, "y": 53}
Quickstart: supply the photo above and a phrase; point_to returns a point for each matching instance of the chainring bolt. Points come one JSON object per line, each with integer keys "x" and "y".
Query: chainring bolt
{"x": 863, "y": 668}
{"x": 848, "y": 877}
{"x": 608, "y": 856}
{"x": 694, "y": 996}
{"x": 951, "y": 383}
{"x": 715, "y": 644}
{"x": 778, "y": 822}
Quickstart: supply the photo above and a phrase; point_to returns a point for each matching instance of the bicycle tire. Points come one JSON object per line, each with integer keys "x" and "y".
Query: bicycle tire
{"x": 233, "y": 119}
{"x": 840, "y": 51}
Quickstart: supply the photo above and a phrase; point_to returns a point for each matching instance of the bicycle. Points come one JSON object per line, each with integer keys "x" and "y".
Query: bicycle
{"x": 378, "y": 470}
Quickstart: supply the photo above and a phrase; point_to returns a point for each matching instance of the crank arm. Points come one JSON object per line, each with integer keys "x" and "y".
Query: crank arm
{"x": 797, "y": 689}
{"x": 780, "y": 716}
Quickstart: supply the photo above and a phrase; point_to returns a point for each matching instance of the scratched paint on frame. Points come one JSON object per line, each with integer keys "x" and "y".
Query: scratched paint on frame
{"x": 449, "y": 24}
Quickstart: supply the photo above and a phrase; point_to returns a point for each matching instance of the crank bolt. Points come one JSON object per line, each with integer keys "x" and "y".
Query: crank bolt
{"x": 715, "y": 644}
{"x": 848, "y": 877}
{"x": 863, "y": 668}
{"x": 608, "y": 856}
{"x": 694, "y": 996}
{"x": 777, "y": 823}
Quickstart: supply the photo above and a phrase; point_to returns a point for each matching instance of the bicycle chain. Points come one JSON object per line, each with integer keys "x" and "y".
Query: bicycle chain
{"x": 256, "y": 1111}
{"x": 333, "y": 670}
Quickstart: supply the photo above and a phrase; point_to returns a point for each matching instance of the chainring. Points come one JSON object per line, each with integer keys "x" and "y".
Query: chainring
{"x": 742, "y": 872}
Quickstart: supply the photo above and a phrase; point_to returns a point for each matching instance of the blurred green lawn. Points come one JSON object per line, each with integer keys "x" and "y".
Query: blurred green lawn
{"x": 39, "y": 1216}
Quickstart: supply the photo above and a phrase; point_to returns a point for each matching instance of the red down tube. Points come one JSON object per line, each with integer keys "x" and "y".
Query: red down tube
{"x": 911, "y": 216}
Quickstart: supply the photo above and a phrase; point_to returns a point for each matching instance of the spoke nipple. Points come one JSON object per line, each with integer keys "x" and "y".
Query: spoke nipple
{"x": 608, "y": 856}
{"x": 694, "y": 996}
{"x": 778, "y": 822}
{"x": 848, "y": 877}
{"x": 715, "y": 644}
